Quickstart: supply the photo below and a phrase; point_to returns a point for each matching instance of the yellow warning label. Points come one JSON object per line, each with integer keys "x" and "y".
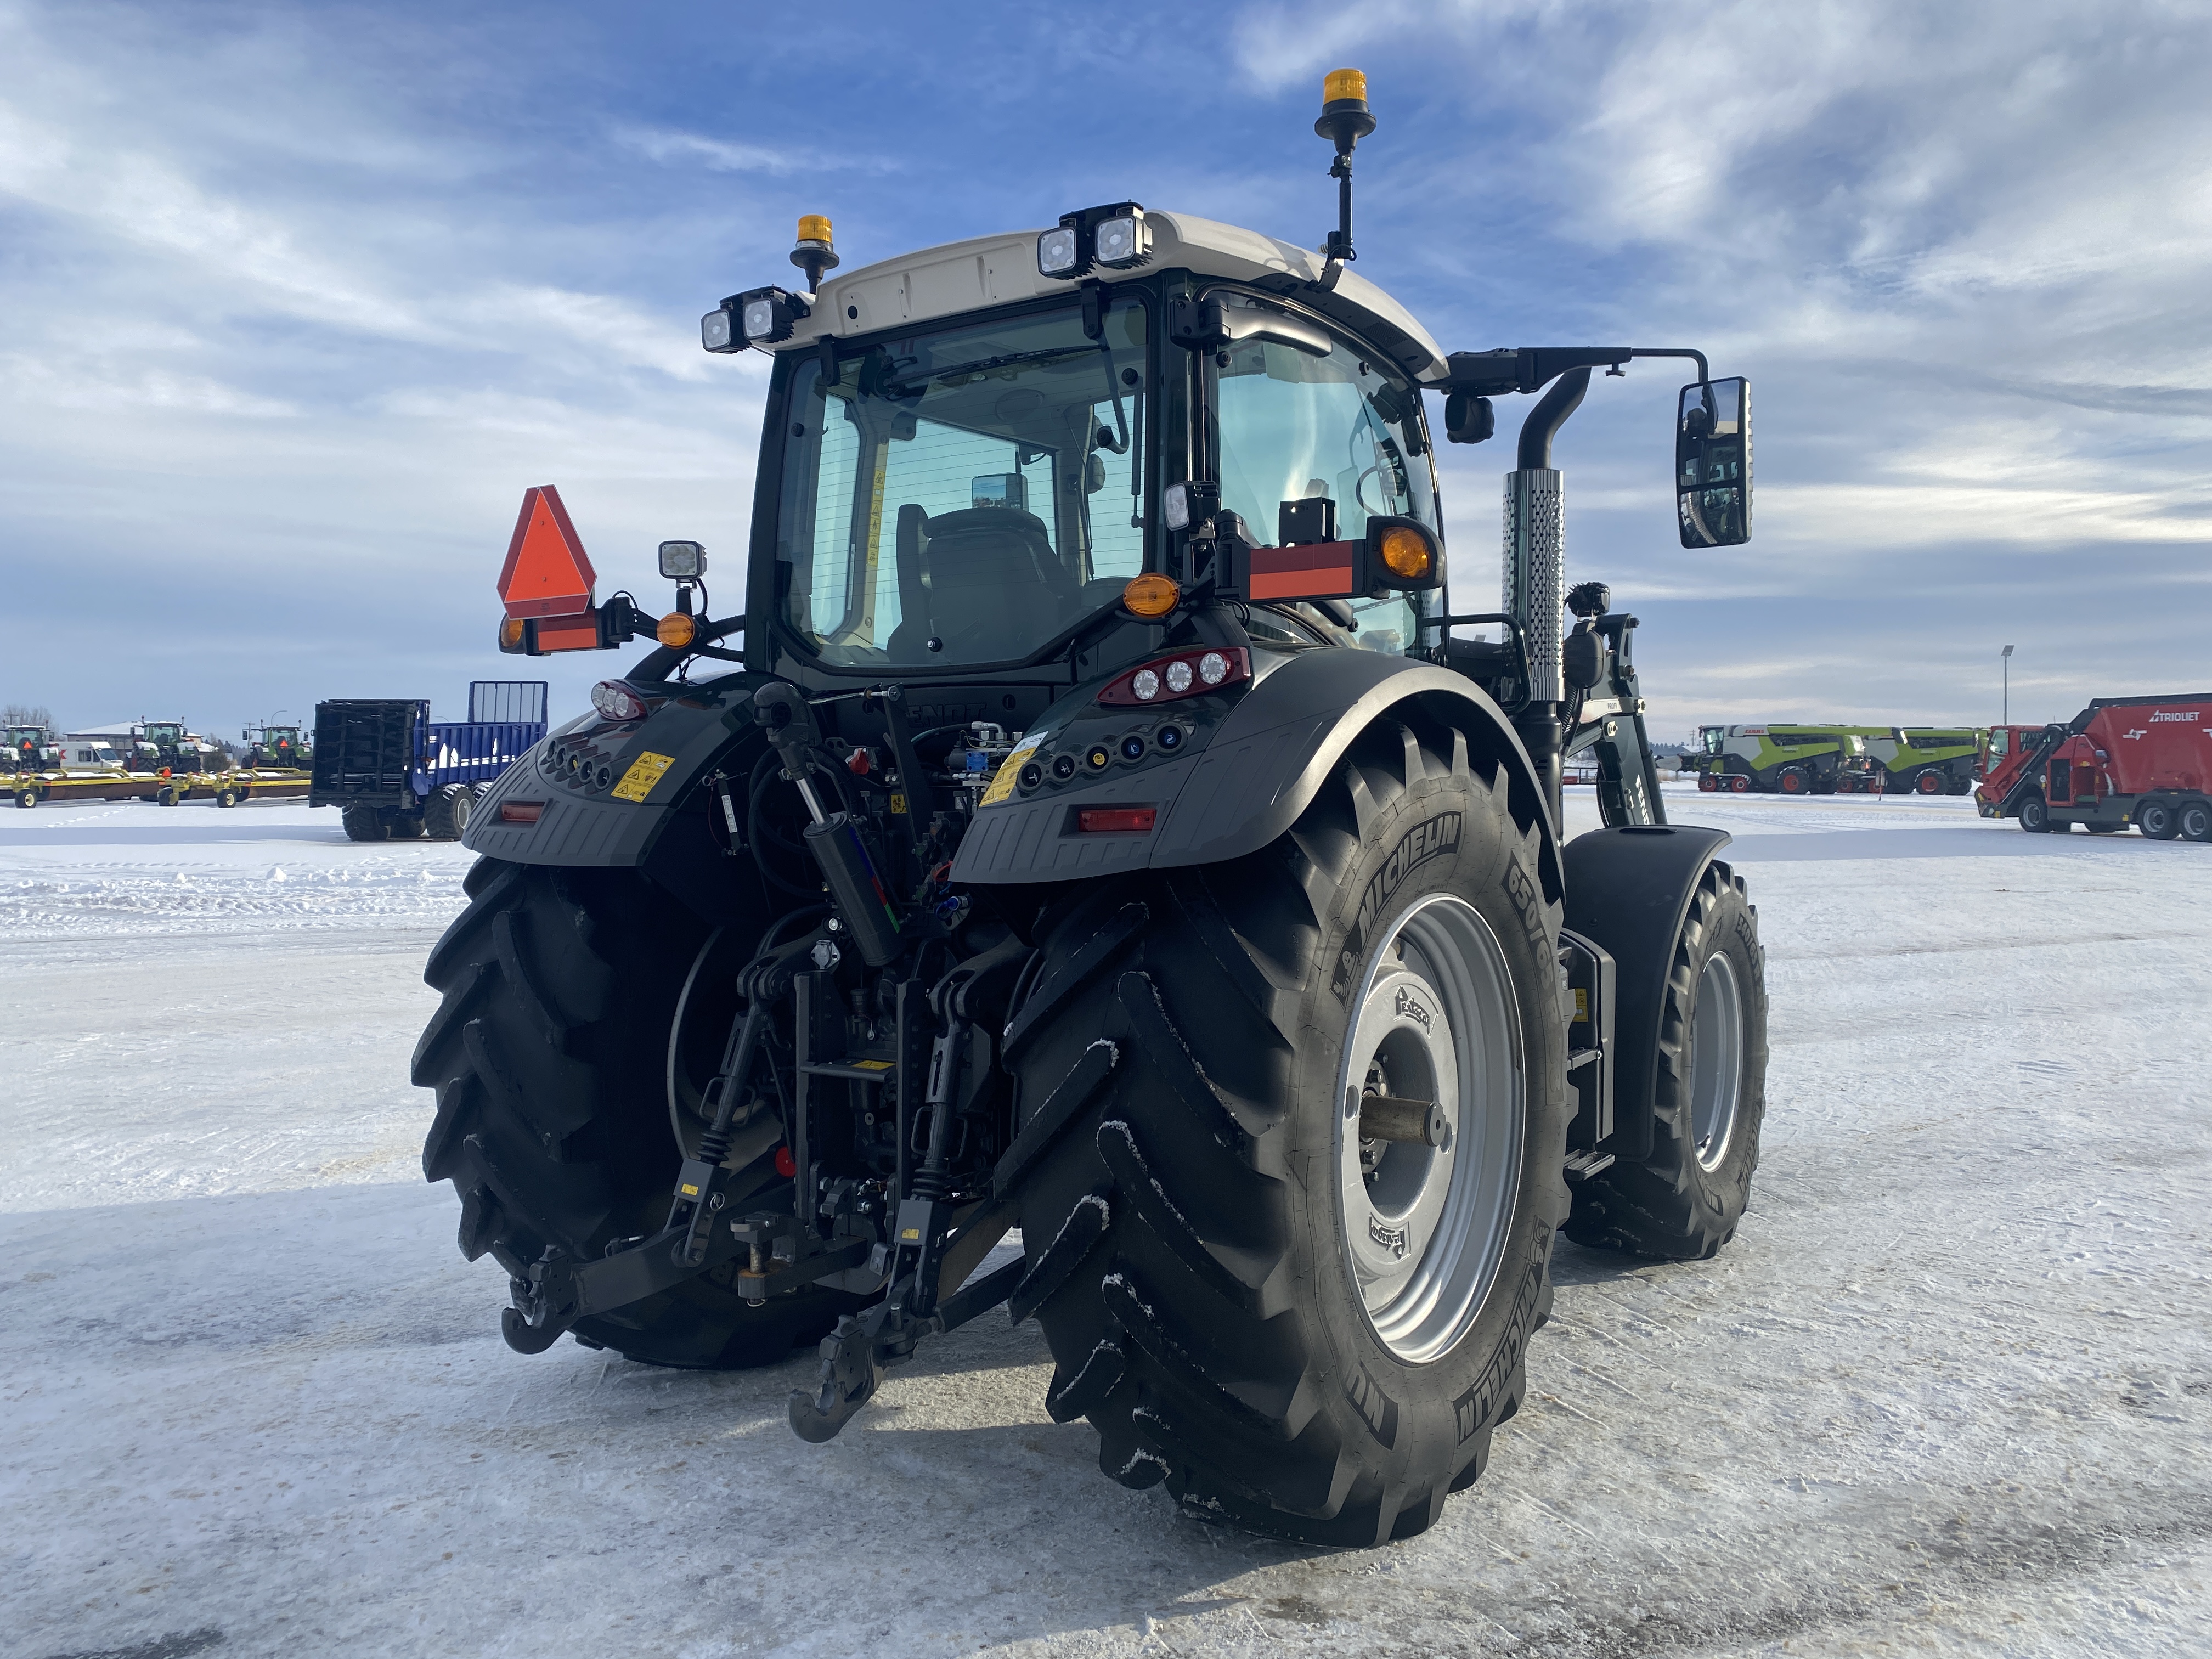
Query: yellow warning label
{"x": 644, "y": 771}
{"x": 691, "y": 1191}
{"x": 898, "y": 803}
{"x": 871, "y": 1064}
{"x": 1582, "y": 1003}
{"x": 1002, "y": 785}
{"x": 910, "y": 1236}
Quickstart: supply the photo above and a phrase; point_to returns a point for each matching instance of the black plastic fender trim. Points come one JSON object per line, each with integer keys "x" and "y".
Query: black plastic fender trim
{"x": 1258, "y": 771}
{"x": 1628, "y": 891}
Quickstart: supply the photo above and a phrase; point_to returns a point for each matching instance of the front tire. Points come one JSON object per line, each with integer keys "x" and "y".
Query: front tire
{"x": 1708, "y": 1095}
{"x": 1295, "y": 1333}
{"x": 2035, "y": 814}
{"x": 553, "y": 1122}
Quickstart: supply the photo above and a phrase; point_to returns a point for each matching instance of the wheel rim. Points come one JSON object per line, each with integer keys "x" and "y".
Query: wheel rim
{"x": 1425, "y": 1227}
{"x": 1930, "y": 783}
{"x": 463, "y": 806}
{"x": 1715, "y": 1060}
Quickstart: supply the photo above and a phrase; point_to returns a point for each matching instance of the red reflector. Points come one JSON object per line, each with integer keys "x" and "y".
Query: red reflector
{"x": 522, "y": 812}
{"x": 1093, "y": 818}
{"x": 786, "y": 1164}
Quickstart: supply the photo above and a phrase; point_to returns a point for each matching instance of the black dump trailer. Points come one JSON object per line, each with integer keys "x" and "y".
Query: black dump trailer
{"x": 394, "y": 774}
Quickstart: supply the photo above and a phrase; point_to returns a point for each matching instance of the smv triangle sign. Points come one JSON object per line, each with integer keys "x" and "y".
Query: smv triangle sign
{"x": 546, "y": 573}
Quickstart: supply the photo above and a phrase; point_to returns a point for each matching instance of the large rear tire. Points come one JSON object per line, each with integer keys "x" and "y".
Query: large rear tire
{"x": 553, "y": 1122}
{"x": 2195, "y": 820}
{"x": 1709, "y": 1096}
{"x": 1297, "y": 1330}
{"x": 446, "y": 814}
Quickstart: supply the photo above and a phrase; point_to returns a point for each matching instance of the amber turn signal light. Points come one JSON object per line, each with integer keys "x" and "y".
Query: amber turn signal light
{"x": 677, "y": 630}
{"x": 510, "y": 634}
{"x": 1406, "y": 554}
{"x": 1150, "y": 595}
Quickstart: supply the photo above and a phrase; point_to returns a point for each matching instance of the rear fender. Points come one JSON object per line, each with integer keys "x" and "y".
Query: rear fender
{"x": 1628, "y": 891}
{"x": 1258, "y": 769}
{"x": 657, "y": 824}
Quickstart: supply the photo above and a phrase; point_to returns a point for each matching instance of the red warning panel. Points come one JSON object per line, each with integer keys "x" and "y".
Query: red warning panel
{"x": 546, "y": 573}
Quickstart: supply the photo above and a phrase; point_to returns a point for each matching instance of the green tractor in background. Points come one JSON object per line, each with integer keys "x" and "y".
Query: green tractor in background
{"x": 1924, "y": 760}
{"x": 277, "y": 746}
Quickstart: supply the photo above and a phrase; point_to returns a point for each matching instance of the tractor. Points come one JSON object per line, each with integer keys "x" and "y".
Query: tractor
{"x": 1098, "y": 826}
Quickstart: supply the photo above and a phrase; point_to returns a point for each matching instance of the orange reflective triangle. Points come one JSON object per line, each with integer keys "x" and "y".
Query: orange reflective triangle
{"x": 546, "y": 573}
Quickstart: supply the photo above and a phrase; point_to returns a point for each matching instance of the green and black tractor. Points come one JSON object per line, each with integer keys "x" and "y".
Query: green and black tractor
{"x": 1095, "y": 829}
{"x": 276, "y": 746}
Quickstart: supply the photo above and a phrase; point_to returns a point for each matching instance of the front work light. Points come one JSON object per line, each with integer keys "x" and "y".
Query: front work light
{"x": 765, "y": 316}
{"x": 716, "y": 333}
{"x": 682, "y": 562}
{"x": 1124, "y": 241}
{"x": 1184, "y": 504}
{"x": 1058, "y": 254}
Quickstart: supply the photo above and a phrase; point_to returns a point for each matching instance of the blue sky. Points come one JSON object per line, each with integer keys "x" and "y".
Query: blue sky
{"x": 294, "y": 302}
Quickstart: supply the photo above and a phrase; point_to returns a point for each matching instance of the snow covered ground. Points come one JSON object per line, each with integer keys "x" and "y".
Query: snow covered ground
{"x": 1949, "y": 1391}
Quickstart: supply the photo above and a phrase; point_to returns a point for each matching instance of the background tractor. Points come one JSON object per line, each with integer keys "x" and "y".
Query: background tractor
{"x": 1102, "y": 832}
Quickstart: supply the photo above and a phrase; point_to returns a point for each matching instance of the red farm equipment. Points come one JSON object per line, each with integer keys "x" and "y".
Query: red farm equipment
{"x": 2144, "y": 760}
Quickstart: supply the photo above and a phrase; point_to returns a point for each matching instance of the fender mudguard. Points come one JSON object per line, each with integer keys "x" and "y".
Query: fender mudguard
{"x": 647, "y": 826}
{"x": 1247, "y": 779}
{"x": 1628, "y": 891}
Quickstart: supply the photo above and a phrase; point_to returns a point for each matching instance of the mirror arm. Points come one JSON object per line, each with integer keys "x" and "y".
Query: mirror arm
{"x": 1705, "y": 372}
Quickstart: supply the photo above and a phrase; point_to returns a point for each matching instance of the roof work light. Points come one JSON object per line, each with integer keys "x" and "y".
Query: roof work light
{"x": 1115, "y": 236}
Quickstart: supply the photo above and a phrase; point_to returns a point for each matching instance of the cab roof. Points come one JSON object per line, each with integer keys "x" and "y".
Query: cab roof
{"x": 989, "y": 270}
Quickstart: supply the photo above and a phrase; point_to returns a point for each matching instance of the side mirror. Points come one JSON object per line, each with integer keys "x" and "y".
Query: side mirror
{"x": 1468, "y": 419}
{"x": 1712, "y": 463}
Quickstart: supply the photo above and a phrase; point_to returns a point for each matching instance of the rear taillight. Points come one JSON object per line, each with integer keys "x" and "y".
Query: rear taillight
{"x": 1092, "y": 820}
{"x": 1185, "y": 674}
{"x": 616, "y": 702}
{"x": 522, "y": 812}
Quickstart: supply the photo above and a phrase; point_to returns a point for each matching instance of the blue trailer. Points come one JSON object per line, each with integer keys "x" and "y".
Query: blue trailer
{"x": 394, "y": 774}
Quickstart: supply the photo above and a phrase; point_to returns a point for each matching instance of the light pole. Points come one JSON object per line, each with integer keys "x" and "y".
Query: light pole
{"x": 2005, "y": 718}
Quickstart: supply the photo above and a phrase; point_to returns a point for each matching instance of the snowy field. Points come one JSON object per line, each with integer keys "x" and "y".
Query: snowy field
{"x": 1949, "y": 1391}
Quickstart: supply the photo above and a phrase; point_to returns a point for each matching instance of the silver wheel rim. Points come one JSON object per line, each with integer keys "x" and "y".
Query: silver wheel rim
{"x": 1425, "y": 1227}
{"x": 1715, "y": 1060}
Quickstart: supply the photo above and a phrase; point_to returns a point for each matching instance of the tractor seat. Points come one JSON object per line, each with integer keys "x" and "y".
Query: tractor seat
{"x": 987, "y": 576}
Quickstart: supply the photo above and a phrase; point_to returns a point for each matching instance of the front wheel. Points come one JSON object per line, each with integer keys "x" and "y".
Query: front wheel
{"x": 1708, "y": 1093}
{"x": 1930, "y": 783}
{"x": 226, "y": 797}
{"x": 1793, "y": 783}
{"x": 1306, "y": 1121}
{"x": 27, "y": 799}
{"x": 2035, "y": 815}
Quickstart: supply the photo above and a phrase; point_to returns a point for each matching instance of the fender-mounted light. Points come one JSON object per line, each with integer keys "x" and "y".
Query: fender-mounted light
{"x": 675, "y": 629}
{"x": 1126, "y": 820}
{"x": 1185, "y": 674}
{"x": 522, "y": 812}
{"x": 616, "y": 702}
{"x": 514, "y": 636}
{"x": 1150, "y": 595}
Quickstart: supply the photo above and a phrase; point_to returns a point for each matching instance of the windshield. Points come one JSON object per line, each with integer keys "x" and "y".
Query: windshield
{"x": 1294, "y": 426}
{"x": 966, "y": 495}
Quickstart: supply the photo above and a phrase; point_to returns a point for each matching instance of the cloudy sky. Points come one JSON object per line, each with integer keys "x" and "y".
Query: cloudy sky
{"x": 294, "y": 302}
